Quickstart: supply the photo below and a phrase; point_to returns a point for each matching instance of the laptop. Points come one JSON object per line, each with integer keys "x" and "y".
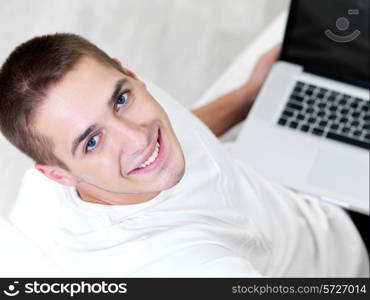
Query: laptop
{"x": 309, "y": 126}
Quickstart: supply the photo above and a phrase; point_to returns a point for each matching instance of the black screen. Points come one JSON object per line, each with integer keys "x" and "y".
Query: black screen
{"x": 330, "y": 37}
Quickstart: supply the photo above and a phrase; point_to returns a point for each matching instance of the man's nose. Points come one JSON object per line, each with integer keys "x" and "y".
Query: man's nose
{"x": 133, "y": 138}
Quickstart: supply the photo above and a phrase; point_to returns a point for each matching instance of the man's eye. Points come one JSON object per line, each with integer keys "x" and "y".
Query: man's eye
{"x": 122, "y": 99}
{"x": 92, "y": 143}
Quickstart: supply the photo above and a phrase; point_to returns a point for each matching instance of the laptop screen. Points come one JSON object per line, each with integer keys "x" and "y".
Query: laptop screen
{"x": 330, "y": 38}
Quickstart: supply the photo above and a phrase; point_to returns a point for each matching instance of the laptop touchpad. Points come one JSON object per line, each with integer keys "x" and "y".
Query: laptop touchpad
{"x": 339, "y": 172}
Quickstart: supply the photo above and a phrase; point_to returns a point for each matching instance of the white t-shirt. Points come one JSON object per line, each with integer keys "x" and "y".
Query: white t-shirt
{"x": 222, "y": 219}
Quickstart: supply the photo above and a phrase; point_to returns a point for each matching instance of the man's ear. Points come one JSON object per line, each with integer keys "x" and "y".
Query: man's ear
{"x": 127, "y": 71}
{"x": 57, "y": 174}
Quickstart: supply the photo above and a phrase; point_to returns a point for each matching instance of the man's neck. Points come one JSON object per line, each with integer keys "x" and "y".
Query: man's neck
{"x": 90, "y": 193}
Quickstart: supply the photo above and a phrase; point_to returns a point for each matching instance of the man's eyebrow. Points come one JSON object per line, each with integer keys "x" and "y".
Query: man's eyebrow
{"x": 81, "y": 137}
{"x": 91, "y": 128}
{"x": 117, "y": 89}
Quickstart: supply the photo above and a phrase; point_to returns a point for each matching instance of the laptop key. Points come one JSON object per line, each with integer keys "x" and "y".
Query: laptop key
{"x": 309, "y": 92}
{"x": 293, "y": 124}
{"x": 357, "y": 133}
{"x": 345, "y": 129}
{"x": 295, "y": 106}
{"x": 355, "y": 123}
{"x": 282, "y": 121}
{"x": 297, "y": 98}
{"x": 310, "y": 110}
{"x": 355, "y": 114}
{"x": 300, "y": 117}
{"x": 321, "y": 113}
{"x": 342, "y": 101}
{"x": 347, "y": 140}
{"x": 297, "y": 90}
{"x": 343, "y": 120}
{"x": 322, "y": 105}
{"x": 354, "y": 105}
{"x": 287, "y": 113}
{"x": 344, "y": 111}
{"x": 305, "y": 128}
{"x": 365, "y": 108}
{"x": 311, "y": 102}
{"x": 300, "y": 84}
{"x": 323, "y": 123}
{"x": 334, "y": 126}
{"x": 332, "y": 117}
{"x": 317, "y": 131}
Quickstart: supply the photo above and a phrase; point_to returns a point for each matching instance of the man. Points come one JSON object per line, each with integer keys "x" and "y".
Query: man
{"x": 138, "y": 186}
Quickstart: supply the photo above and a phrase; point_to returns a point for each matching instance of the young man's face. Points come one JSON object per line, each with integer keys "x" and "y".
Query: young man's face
{"x": 106, "y": 128}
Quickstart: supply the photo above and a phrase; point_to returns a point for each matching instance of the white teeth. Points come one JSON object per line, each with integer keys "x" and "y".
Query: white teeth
{"x": 151, "y": 158}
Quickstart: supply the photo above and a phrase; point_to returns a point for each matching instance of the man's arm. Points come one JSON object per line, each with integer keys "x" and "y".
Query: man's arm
{"x": 228, "y": 110}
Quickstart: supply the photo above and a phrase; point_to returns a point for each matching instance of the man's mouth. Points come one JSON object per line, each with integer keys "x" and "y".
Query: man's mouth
{"x": 154, "y": 160}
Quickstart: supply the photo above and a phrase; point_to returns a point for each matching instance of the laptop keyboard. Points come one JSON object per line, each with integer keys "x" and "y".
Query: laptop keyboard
{"x": 327, "y": 113}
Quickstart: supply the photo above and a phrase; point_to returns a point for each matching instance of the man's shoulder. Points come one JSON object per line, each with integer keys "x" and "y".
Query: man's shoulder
{"x": 36, "y": 206}
{"x": 37, "y": 191}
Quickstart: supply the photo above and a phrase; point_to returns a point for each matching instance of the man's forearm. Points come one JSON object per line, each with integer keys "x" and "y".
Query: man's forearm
{"x": 226, "y": 111}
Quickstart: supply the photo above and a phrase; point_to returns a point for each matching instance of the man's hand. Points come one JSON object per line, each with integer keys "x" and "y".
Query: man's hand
{"x": 260, "y": 71}
{"x": 226, "y": 111}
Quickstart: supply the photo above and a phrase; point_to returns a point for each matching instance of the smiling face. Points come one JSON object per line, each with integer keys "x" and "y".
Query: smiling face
{"x": 115, "y": 138}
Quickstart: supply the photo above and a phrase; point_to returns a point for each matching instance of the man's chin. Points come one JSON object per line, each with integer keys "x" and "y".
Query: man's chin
{"x": 139, "y": 190}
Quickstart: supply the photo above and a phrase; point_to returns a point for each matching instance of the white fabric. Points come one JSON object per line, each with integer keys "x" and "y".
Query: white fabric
{"x": 221, "y": 219}
{"x": 20, "y": 257}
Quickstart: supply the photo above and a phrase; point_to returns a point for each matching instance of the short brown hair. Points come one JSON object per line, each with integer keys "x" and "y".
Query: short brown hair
{"x": 26, "y": 76}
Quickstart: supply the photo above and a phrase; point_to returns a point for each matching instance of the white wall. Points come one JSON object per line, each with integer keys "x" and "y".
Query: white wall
{"x": 173, "y": 42}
